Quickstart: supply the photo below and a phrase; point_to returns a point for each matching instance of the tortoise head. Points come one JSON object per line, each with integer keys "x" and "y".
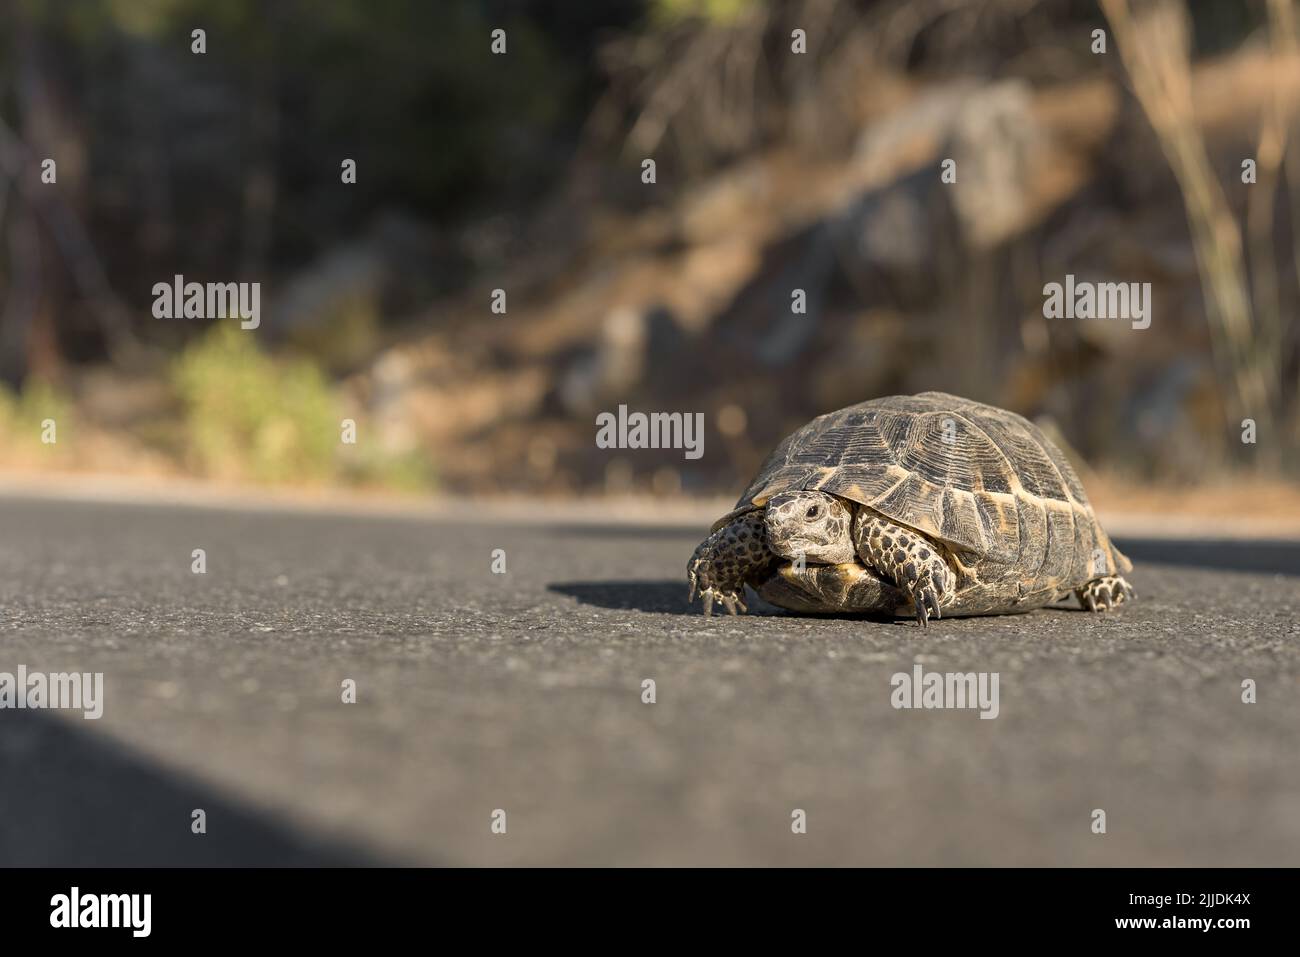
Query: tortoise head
{"x": 812, "y": 524}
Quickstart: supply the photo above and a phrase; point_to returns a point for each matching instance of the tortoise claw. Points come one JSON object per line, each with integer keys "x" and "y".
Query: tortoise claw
{"x": 933, "y": 600}
{"x": 926, "y": 601}
{"x": 920, "y": 601}
{"x": 729, "y": 600}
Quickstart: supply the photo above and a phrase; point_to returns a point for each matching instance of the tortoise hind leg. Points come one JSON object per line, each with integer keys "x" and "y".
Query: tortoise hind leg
{"x": 908, "y": 559}
{"x": 1109, "y": 590}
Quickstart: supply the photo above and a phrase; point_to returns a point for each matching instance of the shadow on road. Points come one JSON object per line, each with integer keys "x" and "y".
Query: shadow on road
{"x": 663, "y": 597}
{"x": 669, "y": 597}
{"x": 1281, "y": 557}
{"x": 70, "y": 798}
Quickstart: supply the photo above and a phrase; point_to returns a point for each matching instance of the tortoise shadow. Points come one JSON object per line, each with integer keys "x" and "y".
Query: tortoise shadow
{"x": 668, "y": 597}
{"x": 665, "y": 597}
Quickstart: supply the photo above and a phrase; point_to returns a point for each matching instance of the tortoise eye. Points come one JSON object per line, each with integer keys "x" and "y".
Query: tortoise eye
{"x": 813, "y": 512}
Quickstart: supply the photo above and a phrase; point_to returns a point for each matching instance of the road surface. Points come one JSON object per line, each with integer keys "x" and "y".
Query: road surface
{"x": 522, "y": 692}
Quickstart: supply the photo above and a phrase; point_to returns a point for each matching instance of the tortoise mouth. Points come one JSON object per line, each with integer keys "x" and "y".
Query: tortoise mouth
{"x": 794, "y": 549}
{"x": 854, "y": 569}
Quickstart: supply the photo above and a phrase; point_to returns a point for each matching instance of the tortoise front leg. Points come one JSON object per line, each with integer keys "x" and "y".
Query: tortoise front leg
{"x": 724, "y": 562}
{"x": 914, "y": 563}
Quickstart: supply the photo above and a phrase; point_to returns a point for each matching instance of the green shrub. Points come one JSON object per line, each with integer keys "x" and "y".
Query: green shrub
{"x": 714, "y": 11}
{"x": 21, "y": 418}
{"x": 248, "y": 416}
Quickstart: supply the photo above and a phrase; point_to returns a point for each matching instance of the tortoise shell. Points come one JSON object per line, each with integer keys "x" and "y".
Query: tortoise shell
{"x": 981, "y": 480}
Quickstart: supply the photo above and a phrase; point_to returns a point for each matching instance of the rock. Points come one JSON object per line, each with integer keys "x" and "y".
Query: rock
{"x": 635, "y": 348}
{"x": 995, "y": 141}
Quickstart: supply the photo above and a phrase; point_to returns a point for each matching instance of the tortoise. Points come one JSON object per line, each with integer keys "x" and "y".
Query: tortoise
{"x": 920, "y": 505}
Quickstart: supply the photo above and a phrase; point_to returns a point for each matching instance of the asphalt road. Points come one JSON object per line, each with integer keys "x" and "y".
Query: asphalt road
{"x": 523, "y": 692}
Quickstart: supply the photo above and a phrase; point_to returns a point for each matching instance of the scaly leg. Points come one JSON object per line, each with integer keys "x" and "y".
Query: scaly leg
{"x": 724, "y": 562}
{"x": 908, "y": 559}
{"x": 1109, "y": 590}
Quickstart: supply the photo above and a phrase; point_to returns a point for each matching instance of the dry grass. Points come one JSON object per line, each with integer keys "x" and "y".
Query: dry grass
{"x": 1154, "y": 45}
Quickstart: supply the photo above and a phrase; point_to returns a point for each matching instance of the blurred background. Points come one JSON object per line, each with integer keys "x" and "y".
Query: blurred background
{"x": 775, "y": 170}
{"x": 1104, "y": 140}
